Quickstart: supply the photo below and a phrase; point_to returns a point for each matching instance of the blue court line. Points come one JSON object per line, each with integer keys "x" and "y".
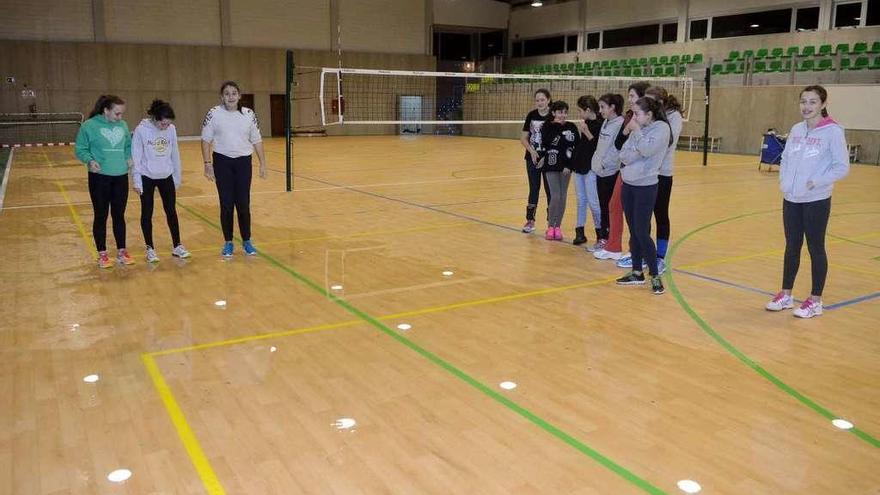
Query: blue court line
{"x": 829, "y": 307}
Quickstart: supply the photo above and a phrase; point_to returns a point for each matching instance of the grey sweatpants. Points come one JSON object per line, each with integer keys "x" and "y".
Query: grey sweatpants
{"x": 558, "y": 182}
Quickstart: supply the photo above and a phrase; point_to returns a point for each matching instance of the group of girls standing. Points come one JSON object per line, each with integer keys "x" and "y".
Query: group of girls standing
{"x": 630, "y": 171}
{"x": 617, "y": 160}
{"x": 150, "y": 159}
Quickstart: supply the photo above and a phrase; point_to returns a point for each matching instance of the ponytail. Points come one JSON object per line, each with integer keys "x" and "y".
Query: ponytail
{"x": 105, "y": 102}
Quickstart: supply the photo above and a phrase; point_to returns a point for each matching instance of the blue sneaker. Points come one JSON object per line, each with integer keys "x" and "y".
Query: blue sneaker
{"x": 625, "y": 262}
{"x": 249, "y": 248}
{"x": 228, "y": 248}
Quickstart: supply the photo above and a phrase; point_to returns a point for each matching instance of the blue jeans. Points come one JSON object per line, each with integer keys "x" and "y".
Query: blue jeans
{"x": 587, "y": 194}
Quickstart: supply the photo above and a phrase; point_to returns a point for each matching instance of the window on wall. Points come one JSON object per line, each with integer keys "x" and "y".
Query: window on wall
{"x": 632, "y": 36}
{"x": 517, "y": 49}
{"x": 699, "y": 29}
{"x": 452, "y": 46}
{"x": 847, "y": 14}
{"x": 544, "y": 46}
{"x": 752, "y": 23}
{"x": 571, "y": 43}
{"x": 807, "y": 19}
{"x": 670, "y": 32}
{"x": 873, "y": 15}
{"x": 491, "y": 44}
{"x": 593, "y": 41}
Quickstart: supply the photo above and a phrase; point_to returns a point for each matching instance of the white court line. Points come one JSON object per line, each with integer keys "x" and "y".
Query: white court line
{"x": 6, "y": 177}
{"x": 436, "y": 181}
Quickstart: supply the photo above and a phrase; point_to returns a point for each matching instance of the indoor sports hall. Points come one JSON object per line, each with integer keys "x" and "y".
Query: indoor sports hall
{"x": 395, "y": 330}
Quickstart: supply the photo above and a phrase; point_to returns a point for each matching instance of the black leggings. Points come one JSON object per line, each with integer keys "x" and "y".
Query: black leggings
{"x": 233, "y": 177}
{"x": 535, "y": 178}
{"x": 661, "y": 213}
{"x": 638, "y": 202}
{"x": 605, "y": 188}
{"x": 109, "y": 194}
{"x": 810, "y": 220}
{"x": 168, "y": 194}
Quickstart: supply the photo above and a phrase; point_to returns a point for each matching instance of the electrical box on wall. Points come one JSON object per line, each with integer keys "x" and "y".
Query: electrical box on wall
{"x": 10, "y": 80}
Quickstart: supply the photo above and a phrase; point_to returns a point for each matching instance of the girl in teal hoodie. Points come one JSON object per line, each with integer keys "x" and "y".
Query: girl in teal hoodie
{"x": 104, "y": 145}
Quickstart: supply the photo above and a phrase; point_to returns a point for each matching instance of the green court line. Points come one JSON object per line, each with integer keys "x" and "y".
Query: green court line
{"x": 711, "y": 332}
{"x": 485, "y": 389}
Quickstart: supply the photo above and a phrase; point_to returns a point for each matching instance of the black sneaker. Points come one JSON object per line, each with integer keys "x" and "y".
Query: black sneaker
{"x": 657, "y": 286}
{"x": 632, "y": 278}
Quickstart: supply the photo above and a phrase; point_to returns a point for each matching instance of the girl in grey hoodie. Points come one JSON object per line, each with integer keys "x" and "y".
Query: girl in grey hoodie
{"x": 815, "y": 157}
{"x": 157, "y": 166}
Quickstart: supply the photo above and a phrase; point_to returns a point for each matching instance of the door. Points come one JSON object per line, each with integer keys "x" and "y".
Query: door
{"x": 410, "y": 109}
{"x": 277, "y": 109}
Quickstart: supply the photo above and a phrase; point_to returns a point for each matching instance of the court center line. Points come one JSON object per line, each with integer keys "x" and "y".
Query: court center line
{"x": 178, "y": 419}
{"x": 433, "y": 358}
{"x": 733, "y": 350}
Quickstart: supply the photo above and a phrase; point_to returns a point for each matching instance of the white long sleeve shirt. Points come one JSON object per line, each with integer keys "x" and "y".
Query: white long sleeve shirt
{"x": 155, "y": 153}
{"x": 232, "y": 133}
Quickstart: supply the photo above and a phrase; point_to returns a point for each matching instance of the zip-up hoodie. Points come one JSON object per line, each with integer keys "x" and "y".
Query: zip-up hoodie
{"x": 675, "y": 123}
{"x": 605, "y": 160}
{"x": 643, "y": 154}
{"x": 108, "y": 143}
{"x": 155, "y": 153}
{"x": 819, "y": 155}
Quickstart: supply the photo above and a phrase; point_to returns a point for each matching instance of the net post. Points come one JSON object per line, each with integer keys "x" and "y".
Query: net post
{"x": 706, "y": 120}
{"x": 288, "y": 130}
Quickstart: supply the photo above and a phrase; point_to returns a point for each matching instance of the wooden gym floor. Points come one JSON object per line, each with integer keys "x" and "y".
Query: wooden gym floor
{"x": 617, "y": 391}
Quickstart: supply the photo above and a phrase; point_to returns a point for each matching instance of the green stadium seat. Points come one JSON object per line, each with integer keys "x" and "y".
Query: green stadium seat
{"x": 748, "y": 53}
{"x": 825, "y": 50}
{"x": 808, "y": 51}
{"x": 875, "y": 47}
{"x": 643, "y": 61}
{"x": 734, "y": 55}
{"x": 792, "y": 51}
{"x": 760, "y": 66}
{"x": 698, "y": 58}
{"x": 860, "y": 48}
{"x": 685, "y": 59}
{"x": 605, "y": 64}
{"x": 876, "y": 64}
{"x": 556, "y": 68}
{"x": 825, "y": 64}
{"x": 663, "y": 60}
{"x": 637, "y": 71}
{"x": 845, "y": 63}
{"x": 658, "y": 71}
{"x": 627, "y": 71}
{"x": 717, "y": 69}
{"x": 633, "y": 62}
{"x": 733, "y": 68}
{"x": 761, "y": 53}
{"x": 776, "y": 53}
{"x": 806, "y": 65}
{"x": 579, "y": 66}
{"x": 775, "y": 66}
{"x": 670, "y": 70}
{"x": 674, "y": 59}
{"x": 861, "y": 63}
{"x": 842, "y": 49}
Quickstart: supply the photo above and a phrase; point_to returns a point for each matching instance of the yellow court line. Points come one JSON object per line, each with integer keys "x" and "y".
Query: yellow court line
{"x": 190, "y": 442}
{"x": 90, "y": 243}
{"x": 423, "y": 311}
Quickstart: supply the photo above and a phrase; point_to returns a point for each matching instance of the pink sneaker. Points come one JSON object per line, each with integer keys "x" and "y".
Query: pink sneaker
{"x": 779, "y": 302}
{"x": 550, "y": 234}
{"x": 557, "y": 233}
{"x": 809, "y": 308}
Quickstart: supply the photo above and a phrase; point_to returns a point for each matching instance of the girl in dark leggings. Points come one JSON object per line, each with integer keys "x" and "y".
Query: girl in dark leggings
{"x": 157, "y": 166}
{"x": 103, "y": 143}
{"x": 531, "y": 141}
{"x": 234, "y": 133}
{"x": 815, "y": 157}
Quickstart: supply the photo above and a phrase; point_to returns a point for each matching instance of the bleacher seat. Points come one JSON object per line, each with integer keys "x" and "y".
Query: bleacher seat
{"x": 663, "y": 60}
{"x": 808, "y": 51}
{"x": 747, "y": 54}
{"x": 825, "y": 50}
{"x": 792, "y": 51}
{"x": 673, "y": 59}
{"x": 698, "y": 59}
{"x": 859, "y": 48}
{"x": 761, "y": 53}
{"x": 776, "y": 53}
{"x": 670, "y": 70}
{"x": 876, "y": 64}
{"x": 861, "y": 63}
{"x": 875, "y": 47}
{"x": 643, "y": 61}
{"x": 842, "y": 49}
{"x": 686, "y": 59}
{"x": 760, "y": 66}
{"x": 824, "y": 64}
{"x": 806, "y": 65}
{"x": 845, "y": 63}
{"x": 734, "y": 55}
{"x": 637, "y": 71}
{"x": 717, "y": 69}
{"x": 652, "y": 61}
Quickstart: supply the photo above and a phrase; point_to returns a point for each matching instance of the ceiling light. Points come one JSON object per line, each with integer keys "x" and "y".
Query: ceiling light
{"x": 755, "y": 25}
{"x": 537, "y": 3}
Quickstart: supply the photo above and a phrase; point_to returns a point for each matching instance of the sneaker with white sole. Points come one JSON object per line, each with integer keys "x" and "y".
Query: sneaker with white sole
{"x": 228, "y": 249}
{"x": 661, "y": 266}
{"x": 528, "y": 227}
{"x": 151, "y": 255}
{"x": 600, "y": 245}
{"x": 607, "y": 255}
{"x": 180, "y": 252}
{"x": 809, "y": 308}
{"x": 657, "y": 286}
{"x": 632, "y": 278}
{"x": 123, "y": 258}
{"x": 779, "y": 302}
{"x": 249, "y": 248}
{"x": 625, "y": 261}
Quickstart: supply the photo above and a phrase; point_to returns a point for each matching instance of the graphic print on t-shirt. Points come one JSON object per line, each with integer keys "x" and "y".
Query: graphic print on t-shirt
{"x": 535, "y": 136}
{"x": 160, "y": 145}
{"x": 114, "y": 137}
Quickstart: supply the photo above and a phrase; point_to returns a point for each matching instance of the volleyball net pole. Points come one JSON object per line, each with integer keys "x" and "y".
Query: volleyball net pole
{"x": 288, "y": 124}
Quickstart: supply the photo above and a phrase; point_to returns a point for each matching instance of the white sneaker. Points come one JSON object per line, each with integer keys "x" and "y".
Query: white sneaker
{"x": 151, "y": 255}
{"x": 180, "y": 252}
{"x": 603, "y": 254}
{"x": 809, "y": 309}
{"x": 779, "y": 302}
{"x": 600, "y": 245}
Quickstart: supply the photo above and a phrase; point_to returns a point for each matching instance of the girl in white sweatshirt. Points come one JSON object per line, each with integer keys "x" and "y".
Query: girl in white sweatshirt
{"x": 157, "y": 166}
{"x": 815, "y": 157}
